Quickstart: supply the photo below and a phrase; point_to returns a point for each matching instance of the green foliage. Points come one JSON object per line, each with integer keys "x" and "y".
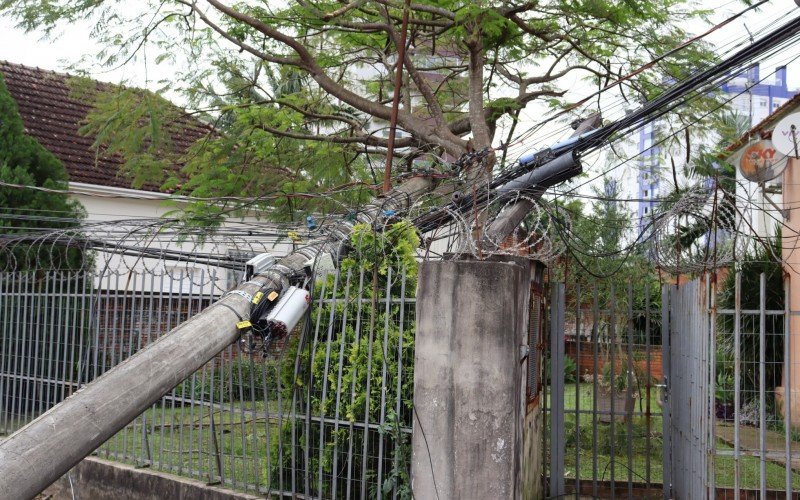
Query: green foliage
{"x": 135, "y": 124}
{"x": 377, "y": 355}
{"x": 724, "y": 388}
{"x": 24, "y": 162}
{"x": 570, "y": 370}
{"x": 700, "y": 164}
{"x": 247, "y": 159}
{"x": 602, "y": 262}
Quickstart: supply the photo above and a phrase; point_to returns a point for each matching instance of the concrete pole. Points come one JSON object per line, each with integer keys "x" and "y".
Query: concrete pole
{"x": 791, "y": 265}
{"x": 469, "y": 382}
{"x": 36, "y": 455}
{"x": 507, "y": 221}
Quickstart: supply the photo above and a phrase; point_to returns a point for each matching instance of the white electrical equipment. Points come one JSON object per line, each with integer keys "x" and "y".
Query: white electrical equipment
{"x": 761, "y": 162}
{"x": 786, "y": 135}
{"x": 289, "y": 310}
{"x": 258, "y": 265}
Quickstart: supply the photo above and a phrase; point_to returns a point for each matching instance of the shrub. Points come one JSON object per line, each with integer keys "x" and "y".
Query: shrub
{"x": 570, "y": 370}
{"x": 370, "y": 359}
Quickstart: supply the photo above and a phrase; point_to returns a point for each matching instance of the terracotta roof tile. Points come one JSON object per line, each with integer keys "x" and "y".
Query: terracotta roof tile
{"x": 52, "y": 115}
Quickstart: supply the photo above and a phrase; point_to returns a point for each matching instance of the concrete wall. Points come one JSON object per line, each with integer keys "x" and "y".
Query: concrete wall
{"x": 95, "y": 479}
{"x": 469, "y": 395}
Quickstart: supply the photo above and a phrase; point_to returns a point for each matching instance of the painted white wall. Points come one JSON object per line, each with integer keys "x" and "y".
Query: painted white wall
{"x": 106, "y": 205}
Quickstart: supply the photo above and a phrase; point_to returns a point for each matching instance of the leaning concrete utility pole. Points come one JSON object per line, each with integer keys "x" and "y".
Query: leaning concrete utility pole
{"x": 36, "y": 455}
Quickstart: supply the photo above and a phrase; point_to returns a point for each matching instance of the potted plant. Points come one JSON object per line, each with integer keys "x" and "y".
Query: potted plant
{"x": 623, "y": 390}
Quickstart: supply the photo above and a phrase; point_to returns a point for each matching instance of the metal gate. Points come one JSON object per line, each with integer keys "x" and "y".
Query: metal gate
{"x": 684, "y": 393}
{"x": 687, "y": 399}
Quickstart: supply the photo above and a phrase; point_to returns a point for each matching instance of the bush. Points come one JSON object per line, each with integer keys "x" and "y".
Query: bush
{"x": 765, "y": 261}
{"x": 570, "y": 370}
{"x": 368, "y": 365}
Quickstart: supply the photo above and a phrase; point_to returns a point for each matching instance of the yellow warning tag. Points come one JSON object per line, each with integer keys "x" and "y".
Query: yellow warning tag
{"x": 243, "y": 324}
{"x": 257, "y": 297}
{"x": 272, "y": 296}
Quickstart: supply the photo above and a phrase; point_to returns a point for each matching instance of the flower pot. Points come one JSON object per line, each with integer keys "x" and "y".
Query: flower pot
{"x": 623, "y": 404}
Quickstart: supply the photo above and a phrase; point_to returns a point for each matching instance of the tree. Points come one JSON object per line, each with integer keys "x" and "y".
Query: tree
{"x": 472, "y": 67}
{"x": 694, "y": 236}
{"x": 375, "y": 366}
{"x": 24, "y": 162}
{"x": 604, "y": 258}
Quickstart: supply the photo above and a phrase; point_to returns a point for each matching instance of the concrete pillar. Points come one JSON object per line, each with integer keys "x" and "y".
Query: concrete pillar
{"x": 791, "y": 266}
{"x": 469, "y": 391}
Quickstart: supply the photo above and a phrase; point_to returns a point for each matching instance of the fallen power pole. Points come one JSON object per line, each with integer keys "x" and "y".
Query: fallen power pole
{"x": 39, "y": 453}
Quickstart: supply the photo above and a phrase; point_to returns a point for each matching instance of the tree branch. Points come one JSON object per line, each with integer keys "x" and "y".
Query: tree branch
{"x": 308, "y": 62}
{"x": 419, "y": 81}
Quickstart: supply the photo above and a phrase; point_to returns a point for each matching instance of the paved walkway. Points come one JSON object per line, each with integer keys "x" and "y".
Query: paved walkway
{"x": 749, "y": 442}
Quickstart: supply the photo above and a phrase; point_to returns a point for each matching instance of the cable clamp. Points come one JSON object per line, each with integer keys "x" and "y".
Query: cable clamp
{"x": 242, "y": 293}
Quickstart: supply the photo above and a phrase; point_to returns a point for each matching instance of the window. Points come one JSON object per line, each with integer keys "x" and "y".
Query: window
{"x": 534, "y": 336}
{"x": 645, "y": 210}
{"x": 645, "y": 193}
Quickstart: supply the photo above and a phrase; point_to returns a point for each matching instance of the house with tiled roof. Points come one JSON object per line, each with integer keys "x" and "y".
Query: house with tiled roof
{"x": 53, "y": 113}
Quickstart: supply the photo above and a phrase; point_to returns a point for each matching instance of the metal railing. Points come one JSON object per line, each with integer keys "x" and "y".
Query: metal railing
{"x": 755, "y": 450}
{"x": 325, "y": 414}
{"x": 606, "y": 381}
{"x": 714, "y": 417}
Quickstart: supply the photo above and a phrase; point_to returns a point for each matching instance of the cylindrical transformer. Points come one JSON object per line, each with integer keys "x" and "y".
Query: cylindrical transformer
{"x": 288, "y": 311}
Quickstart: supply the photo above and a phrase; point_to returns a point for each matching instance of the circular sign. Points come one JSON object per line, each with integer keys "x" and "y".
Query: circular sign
{"x": 761, "y": 162}
{"x": 786, "y": 136}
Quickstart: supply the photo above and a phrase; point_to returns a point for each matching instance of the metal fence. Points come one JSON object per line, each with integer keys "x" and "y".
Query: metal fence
{"x": 326, "y": 414}
{"x": 699, "y": 402}
{"x": 756, "y": 448}
{"x": 604, "y": 378}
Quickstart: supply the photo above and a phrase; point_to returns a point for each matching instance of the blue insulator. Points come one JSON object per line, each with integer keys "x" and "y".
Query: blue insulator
{"x": 311, "y": 223}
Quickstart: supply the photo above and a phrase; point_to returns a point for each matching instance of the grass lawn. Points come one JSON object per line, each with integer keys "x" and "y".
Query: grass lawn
{"x": 589, "y": 438}
{"x": 180, "y": 440}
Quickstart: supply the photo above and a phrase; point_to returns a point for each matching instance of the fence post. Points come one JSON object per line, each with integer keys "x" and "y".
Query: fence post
{"x": 469, "y": 395}
{"x": 557, "y": 431}
{"x": 666, "y": 411}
